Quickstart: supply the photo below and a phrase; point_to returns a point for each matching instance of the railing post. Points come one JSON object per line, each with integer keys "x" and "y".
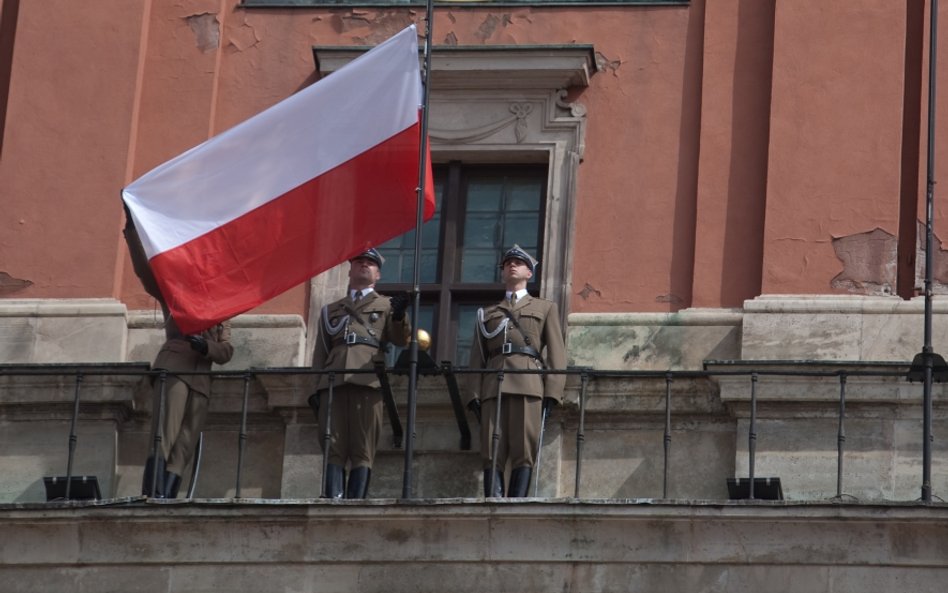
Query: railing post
{"x": 72, "y": 434}
{"x": 841, "y": 435}
{"x": 327, "y": 433}
{"x": 668, "y": 437}
{"x": 580, "y": 431}
{"x": 752, "y": 435}
{"x": 159, "y": 422}
{"x": 242, "y": 438}
{"x": 495, "y": 437}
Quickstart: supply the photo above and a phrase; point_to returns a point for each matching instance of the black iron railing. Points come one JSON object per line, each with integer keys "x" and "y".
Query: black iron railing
{"x": 454, "y": 378}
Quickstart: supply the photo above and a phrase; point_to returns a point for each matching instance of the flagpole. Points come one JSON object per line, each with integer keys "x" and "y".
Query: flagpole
{"x": 928, "y": 366}
{"x": 927, "y": 351}
{"x": 416, "y": 271}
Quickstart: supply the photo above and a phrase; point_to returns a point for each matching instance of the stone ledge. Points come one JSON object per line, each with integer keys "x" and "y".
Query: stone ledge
{"x": 653, "y": 341}
{"x": 469, "y": 545}
{"x": 61, "y": 308}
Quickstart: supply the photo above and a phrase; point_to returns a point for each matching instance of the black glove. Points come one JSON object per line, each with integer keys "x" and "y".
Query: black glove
{"x": 199, "y": 344}
{"x": 399, "y": 305}
{"x": 314, "y": 405}
{"x": 548, "y": 404}
{"x": 475, "y": 406}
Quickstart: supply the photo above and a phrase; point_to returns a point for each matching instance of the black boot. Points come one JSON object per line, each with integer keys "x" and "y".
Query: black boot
{"x": 519, "y": 482}
{"x": 149, "y": 488}
{"x": 358, "y": 485}
{"x": 172, "y": 483}
{"x": 498, "y": 484}
{"x": 335, "y": 480}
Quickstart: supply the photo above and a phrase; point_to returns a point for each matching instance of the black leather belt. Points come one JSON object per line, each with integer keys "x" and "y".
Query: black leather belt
{"x": 353, "y": 338}
{"x": 509, "y": 349}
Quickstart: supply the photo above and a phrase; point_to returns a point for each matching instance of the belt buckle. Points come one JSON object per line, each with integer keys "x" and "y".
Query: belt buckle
{"x": 351, "y": 338}
{"x": 507, "y": 348}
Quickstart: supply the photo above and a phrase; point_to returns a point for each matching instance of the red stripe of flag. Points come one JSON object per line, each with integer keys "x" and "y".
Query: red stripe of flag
{"x": 361, "y": 203}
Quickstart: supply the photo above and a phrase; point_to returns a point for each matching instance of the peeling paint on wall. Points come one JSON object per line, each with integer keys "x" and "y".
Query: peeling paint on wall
{"x": 869, "y": 262}
{"x": 9, "y": 284}
{"x": 490, "y": 25}
{"x": 206, "y": 29}
{"x": 243, "y": 37}
{"x": 588, "y": 290}
{"x": 603, "y": 63}
{"x": 939, "y": 262}
{"x": 377, "y": 26}
{"x": 669, "y": 298}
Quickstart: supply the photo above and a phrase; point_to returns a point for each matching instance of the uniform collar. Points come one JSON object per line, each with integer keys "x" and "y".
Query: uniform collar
{"x": 364, "y": 292}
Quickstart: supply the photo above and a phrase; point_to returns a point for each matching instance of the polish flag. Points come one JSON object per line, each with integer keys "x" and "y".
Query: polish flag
{"x": 289, "y": 193}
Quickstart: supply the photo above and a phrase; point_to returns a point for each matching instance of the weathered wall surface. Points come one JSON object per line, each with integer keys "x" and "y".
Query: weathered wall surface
{"x": 423, "y": 546}
{"x": 733, "y": 146}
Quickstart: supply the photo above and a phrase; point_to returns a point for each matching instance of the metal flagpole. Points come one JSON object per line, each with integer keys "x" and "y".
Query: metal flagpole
{"x": 928, "y": 365}
{"x": 416, "y": 271}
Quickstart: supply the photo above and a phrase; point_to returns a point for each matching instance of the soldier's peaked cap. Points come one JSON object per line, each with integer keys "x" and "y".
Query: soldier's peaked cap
{"x": 517, "y": 252}
{"x": 373, "y": 254}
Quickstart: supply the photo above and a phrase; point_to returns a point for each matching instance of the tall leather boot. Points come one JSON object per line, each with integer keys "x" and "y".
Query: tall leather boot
{"x": 335, "y": 480}
{"x": 519, "y": 482}
{"x": 148, "y": 487}
{"x": 358, "y": 485}
{"x": 498, "y": 484}
{"x": 172, "y": 484}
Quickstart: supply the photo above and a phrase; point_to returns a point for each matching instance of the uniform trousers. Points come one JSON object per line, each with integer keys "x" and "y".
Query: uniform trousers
{"x": 355, "y": 426}
{"x": 185, "y": 413}
{"x": 520, "y": 417}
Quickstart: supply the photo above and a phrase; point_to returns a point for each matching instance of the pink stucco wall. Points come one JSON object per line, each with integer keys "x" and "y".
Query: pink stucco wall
{"x": 727, "y": 143}
{"x": 835, "y": 135}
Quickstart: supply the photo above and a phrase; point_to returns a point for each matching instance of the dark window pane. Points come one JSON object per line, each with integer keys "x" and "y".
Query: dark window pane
{"x": 521, "y": 229}
{"x": 484, "y": 196}
{"x": 480, "y": 230}
{"x": 466, "y": 316}
{"x": 403, "y": 275}
{"x": 480, "y": 265}
{"x": 524, "y": 195}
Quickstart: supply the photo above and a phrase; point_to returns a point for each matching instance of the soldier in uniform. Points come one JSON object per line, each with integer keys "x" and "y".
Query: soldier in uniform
{"x": 521, "y": 332}
{"x": 186, "y": 399}
{"x": 352, "y": 333}
{"x": 186, "y": 396}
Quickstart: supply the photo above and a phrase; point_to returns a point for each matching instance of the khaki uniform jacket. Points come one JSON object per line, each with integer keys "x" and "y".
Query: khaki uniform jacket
{"x": 177, "y": 355}
{"x": 337, "y": 320}
{"x": 540, "y": 321}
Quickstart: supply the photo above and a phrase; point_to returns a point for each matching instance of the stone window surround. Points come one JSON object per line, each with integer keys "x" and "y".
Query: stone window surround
{"x": 498, "y": 104}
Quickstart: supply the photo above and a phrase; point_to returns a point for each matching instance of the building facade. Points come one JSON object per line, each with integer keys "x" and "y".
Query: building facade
{"x": 732, "y": 187}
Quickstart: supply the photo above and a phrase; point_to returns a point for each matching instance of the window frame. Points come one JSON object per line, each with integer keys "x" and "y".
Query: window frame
{"x": 449, "y": 292}
{"x": 499, "y": 104}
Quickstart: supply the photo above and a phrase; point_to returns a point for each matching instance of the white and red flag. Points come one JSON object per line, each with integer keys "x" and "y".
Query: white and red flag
{"x": 289, "y": 193}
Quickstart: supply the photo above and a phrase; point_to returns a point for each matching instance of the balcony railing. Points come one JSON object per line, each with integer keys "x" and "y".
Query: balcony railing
{"x": 454, "y": 378}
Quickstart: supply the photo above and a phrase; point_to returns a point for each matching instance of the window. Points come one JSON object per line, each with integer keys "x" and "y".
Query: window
{"x": 481, "y": 211}
{"x": 508, "y": 141}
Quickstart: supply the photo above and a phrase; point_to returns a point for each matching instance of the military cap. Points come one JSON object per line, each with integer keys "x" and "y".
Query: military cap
{"x": 517, "y": 252}
{"x": 371, "y": 253}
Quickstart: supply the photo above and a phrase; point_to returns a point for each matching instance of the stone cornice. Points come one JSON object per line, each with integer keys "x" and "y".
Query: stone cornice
{"x": 494, "y": 66}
